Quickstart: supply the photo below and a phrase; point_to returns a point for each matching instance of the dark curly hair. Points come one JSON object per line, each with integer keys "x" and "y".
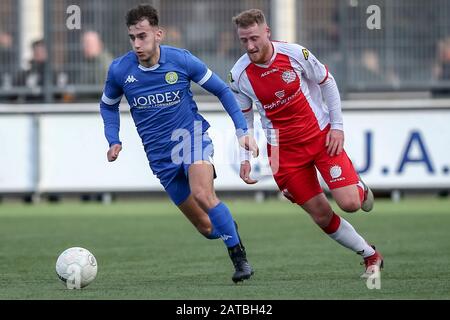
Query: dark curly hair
{"x": 142, "y": 12}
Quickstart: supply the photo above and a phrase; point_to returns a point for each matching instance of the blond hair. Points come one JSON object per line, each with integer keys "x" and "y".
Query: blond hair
{"x": 248, "y": 18}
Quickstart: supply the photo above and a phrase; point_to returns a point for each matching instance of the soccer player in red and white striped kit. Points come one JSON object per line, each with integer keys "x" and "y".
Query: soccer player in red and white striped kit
{"x": 300, "y": 108}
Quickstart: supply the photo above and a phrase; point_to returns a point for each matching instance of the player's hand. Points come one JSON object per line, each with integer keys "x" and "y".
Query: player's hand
{"x": 113, "y": 152}
{"x": 249, "y": 143}
{"x": 244, "y": 173}
{"x": 335, "y": 142}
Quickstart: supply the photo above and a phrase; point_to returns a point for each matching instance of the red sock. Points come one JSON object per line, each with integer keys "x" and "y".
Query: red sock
{"x": 333, "y": 225}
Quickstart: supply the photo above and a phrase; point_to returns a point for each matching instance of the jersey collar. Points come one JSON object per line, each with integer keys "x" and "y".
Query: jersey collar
{"x": 162, "y": 59}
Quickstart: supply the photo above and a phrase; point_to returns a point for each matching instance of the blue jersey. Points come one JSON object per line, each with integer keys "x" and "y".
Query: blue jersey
{"x": 160, "y": 98}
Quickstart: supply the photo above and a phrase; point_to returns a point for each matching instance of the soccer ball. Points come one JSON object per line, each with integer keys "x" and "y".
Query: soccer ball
{"x": 76, "y": 267}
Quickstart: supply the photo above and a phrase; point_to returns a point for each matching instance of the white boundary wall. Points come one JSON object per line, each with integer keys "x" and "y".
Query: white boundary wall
{"x": 394, "y": 149}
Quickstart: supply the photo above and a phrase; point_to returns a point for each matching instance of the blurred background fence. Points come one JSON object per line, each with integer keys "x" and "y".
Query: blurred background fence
{"x": 410, "y": 51}
{"x": 52, "y": 71}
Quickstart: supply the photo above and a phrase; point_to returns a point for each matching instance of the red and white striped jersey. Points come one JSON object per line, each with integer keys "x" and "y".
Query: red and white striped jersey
{"x": 286, "y": 93}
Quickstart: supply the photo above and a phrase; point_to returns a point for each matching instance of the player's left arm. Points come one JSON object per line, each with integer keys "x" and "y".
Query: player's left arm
{"x": 316, "y": 71}
{"x": 200, "y": 73}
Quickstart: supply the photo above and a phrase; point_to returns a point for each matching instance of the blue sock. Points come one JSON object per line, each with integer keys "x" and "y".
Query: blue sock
{"x": 214, "y": 234}
{"x": 223, "y": 223}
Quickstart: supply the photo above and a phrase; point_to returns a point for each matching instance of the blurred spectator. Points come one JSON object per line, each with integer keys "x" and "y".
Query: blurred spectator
{"x": 173, "y": 37}
{"x": 369, "y": 70}
{"x": 95, "y": 62}
{"x": 226, "y": 54}
{"x": 7, "y": 60}
{"x": 201, "y": 31}
{"x": 330, "y": 47}
{"x": 442, "y": 69}
{"x": 33, "y": 77}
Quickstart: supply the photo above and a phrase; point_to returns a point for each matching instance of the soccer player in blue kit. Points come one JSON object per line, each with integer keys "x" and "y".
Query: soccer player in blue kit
{"x": 155, "y": 80}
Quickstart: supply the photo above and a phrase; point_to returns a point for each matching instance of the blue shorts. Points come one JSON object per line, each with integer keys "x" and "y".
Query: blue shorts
{"x": 173, "y": 175}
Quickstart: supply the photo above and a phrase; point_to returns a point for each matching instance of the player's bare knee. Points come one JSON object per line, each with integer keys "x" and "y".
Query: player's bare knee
{"x": 350, "y": 205}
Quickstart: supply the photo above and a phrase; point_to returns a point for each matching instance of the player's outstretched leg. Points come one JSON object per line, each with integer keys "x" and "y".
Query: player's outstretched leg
{"x": 342, "y": 231}
{"x": 202, "y": 222}
{"x": 202, "y": 190}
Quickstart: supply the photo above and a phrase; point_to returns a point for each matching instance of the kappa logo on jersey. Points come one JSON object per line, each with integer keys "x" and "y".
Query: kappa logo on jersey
{"x": 171, "y": 77}
{"x": 279, "y": 94}
{"x": 165, "y": 99}
{"x": 305, "y": 54}
{"x": 131, "y": 79}
{"x": 289, "y": 76}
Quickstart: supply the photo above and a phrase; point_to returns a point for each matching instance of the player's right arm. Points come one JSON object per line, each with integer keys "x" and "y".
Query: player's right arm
{"x": 109, "y": 110}
{"x": 246, "y": 106}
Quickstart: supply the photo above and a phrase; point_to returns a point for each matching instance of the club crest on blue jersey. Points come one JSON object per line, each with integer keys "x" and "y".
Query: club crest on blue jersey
{"x": 171, "y": 77}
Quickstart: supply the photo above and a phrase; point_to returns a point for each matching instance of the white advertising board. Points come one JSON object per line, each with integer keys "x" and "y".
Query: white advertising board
{"x": 391, "y": 149}
{"x": 18, "y": 150}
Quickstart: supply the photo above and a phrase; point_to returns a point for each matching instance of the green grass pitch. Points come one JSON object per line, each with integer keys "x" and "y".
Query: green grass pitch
{"x": 148, "y": 250}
